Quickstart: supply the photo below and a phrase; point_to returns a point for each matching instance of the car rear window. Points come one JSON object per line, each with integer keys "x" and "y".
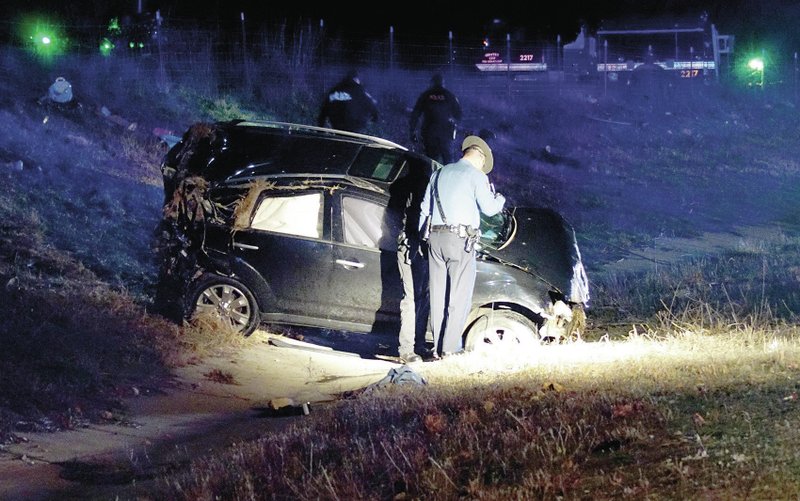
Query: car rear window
{"x": 378, "y": 164}
{"x": 263, "y": 154}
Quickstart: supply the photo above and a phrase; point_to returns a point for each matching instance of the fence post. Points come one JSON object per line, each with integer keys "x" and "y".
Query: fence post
{"x": 391, "y": 47}
{"x": 795, "y": 77}
{"x": 558, "y": 53}
{"x": 508, "y": 64}
{"x": 559, "y": 77}
{"x": 321, "y": 42}
{"x": 246, "y": 67}
{"x": 605, "y": 68}
{"x": 450, "y": 50}
{"x": 162, "y": 72}
{"x": 691, "y": 70}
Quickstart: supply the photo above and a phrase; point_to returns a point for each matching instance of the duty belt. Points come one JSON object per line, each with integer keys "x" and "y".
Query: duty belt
{"x": 470, "y": 235}
{"x": 458, "y": 229}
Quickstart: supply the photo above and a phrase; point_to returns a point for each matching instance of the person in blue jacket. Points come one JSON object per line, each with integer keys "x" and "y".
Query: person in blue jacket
{"x": 454, "y": 199}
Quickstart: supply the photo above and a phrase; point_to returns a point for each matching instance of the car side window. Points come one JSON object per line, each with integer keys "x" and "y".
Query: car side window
{"x": 369, "y": 224}
{"x": 294, "y": 215}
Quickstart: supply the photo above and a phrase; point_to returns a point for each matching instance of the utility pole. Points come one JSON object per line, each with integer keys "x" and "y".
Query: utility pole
{"x": 162, "y": 72}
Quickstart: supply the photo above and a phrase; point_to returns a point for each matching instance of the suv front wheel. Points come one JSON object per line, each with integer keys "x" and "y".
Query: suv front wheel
{"x": 500, "y": 328}
{"x": 225, "y": 298}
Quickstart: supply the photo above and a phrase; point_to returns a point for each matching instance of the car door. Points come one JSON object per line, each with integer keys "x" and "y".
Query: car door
{"x": 365, "y": 273}
{"x": 286, "y": 240}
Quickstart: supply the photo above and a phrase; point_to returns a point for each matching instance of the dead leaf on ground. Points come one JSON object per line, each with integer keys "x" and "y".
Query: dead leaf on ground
{"x": 435, "y": 423}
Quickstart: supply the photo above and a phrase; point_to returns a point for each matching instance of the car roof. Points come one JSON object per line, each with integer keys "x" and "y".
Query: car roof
{"x": 247, "y": 149}
{"x": 289, "y": 127}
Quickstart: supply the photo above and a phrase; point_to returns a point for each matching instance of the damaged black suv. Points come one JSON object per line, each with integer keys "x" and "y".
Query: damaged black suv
{"x": 291, "y": 224}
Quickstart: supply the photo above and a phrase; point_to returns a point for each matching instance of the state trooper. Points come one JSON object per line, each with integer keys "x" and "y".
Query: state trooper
{"x": 454, "y": 199}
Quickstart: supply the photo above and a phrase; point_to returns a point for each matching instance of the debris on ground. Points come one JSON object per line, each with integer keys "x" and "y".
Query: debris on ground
{"x": 169, "y": 137}
{"x": 106, "y": 113}
{"x": 60, "y": 91}
{"x": 285, "y": 406}
{"x": 399, "y": 376}
{"x": 292, "y": 343}
{"x": 60, "y": 97}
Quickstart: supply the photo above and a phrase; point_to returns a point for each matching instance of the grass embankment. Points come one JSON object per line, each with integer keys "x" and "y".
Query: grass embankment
{"x": 73, "y": 346}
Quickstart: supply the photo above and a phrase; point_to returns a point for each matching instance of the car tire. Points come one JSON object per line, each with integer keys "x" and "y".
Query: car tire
{"x": 227, "y": 298}
{"x": 500, "y": 329}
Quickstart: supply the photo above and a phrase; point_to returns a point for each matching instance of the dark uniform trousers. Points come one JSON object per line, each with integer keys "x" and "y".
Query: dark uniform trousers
{"x": 438, "y": 147}
{"x": 415, "y": 304}
{"x": 452, "y": 281}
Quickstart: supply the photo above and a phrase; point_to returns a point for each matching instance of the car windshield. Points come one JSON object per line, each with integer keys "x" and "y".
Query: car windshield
{"x": 497, "y": 230}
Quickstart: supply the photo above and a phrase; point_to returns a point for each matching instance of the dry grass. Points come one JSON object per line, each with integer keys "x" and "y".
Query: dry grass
{"x": 684, "y": 399}
{"x": 756, "y": 283}
{"x": 681, "y": 416}
{"x": 144, "y": 155}
{"x": 206, "y": 334}
{"x": 220, "y": 376}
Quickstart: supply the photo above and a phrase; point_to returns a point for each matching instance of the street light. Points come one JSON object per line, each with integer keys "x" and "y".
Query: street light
{"x": 757, "y": 64}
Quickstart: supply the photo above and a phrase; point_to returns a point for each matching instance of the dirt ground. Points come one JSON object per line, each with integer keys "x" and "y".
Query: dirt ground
{"x": 195, "y": 415}
{"x": 198, "y": 414}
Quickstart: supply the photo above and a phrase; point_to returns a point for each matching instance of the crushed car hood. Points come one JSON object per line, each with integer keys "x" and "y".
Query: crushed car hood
{"x": 542, "y": 243}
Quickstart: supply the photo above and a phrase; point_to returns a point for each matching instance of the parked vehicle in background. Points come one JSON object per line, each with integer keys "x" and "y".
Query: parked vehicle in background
{"x": 297, "y": 225}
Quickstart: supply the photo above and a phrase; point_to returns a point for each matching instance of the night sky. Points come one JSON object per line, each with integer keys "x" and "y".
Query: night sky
{"x": 543, "y": 18}
{"x": 750, "y": 20}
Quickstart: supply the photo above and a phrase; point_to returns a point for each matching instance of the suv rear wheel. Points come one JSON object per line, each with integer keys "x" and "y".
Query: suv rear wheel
{"x": 500, "y": 329}
{"x": 226, "y": 298}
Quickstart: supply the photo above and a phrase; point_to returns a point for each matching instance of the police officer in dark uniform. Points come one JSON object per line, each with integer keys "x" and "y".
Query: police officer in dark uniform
{"x": 348, "y": 106}
{"x": 440, "y": 111}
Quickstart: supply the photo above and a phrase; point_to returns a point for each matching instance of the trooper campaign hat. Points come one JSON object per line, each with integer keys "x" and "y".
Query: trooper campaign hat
{"x": 487, "y": 152}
